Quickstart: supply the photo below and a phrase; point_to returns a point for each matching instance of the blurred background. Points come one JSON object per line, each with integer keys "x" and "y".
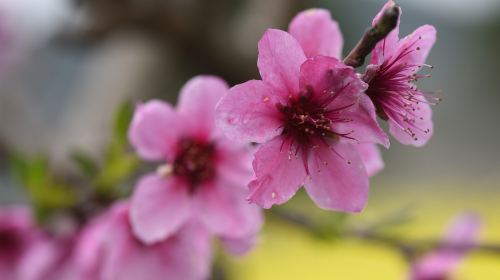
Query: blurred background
{"x": 66, "y": 66}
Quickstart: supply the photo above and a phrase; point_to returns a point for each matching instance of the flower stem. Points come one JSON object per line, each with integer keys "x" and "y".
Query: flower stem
{"x": 372, "y": 36}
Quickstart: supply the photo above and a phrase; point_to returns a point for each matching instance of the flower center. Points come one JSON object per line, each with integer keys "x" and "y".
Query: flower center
{"x": 9, "y": 243}
{"x": 308, "y": 120}
{"x": 195, "y": 162}
{"x": 309, "y": 117}
{"x": 393, "y": 90}
{"x": 304, "y": 119}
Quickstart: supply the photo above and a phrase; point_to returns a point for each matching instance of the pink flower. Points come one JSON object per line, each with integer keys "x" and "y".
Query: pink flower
{"x": 205, "y": 173}
{"x": 48, "y": 259}
{"x": 391, "y": 77}
{"x": 439, "y": 265}
{"x": 17, "y": 234}
{"x": 49, "y": 255}
{"x": 28, "y": 252}
{"x": 108, "y": 250}
{"x": 308, "y": 114}
{"x": 319, "y": 34}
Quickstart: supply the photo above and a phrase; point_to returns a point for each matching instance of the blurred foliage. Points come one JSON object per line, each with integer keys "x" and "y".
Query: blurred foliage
{"x": 46, "y": 192}
{"x": 118, "y": 163}
{"x": 103, "y": 181}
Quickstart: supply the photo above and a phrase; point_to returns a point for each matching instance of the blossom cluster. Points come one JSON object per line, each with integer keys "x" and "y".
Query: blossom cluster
{"x": 224, "y": 153}
{"x": 315, "y": 118}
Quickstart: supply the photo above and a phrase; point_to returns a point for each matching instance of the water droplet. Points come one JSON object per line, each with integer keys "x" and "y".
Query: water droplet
{"x": 273, "y": 195}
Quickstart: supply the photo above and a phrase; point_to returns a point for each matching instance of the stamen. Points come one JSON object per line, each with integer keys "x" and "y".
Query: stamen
{"x": 395, "y": 94}
{"x": 309, "y": 118}
{"x": 165, "y": 170}
{"x": 194, "y": 162}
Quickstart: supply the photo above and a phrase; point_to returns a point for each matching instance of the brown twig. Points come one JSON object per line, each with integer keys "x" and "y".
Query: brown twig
{"x": 372, "y": 36}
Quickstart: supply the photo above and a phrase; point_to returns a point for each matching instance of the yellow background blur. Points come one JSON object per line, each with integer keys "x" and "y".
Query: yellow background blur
{"x": 288, "y": 252}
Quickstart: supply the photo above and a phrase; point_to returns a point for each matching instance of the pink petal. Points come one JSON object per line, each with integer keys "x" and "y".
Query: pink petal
{"x": 46, "y": 259}
{"x": 422, "y": 127}
{"x": 279, "y": 173}
{"x": 224, "y": 211}
{"x": 435, "y": 266}
{"x": 329, "y": 76}
{"x": 197, "y": 102}
{"x": 317, "y": 33}
{"x": 371, "y": 157}
{"x": 183, "y": 256}
{"x": 239, "y": 246}
{"x": 89, "y": 251}
{"x": 234, "y": 162}
{"x": 418, "y": 45}
{"x": 338, "y": 178}
{"x": 38, "y": 261}
{"x": 16, "y": 223}
{"x": 15, "y": 217}
{"x": 385, "y": 48}
{"x": 280, "y": 57}
{"x": 159, "y": 207}
{"x": 198, "y": 243}
{"x": 463, "y": 231}
{"x": 364, "y": 127}
{"x": 247, "y": 113}
{"x": 153, "y": 131}
{"x": 7, "y": 271}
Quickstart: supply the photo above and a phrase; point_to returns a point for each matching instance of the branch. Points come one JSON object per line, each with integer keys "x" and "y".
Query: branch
{"x": 408, "y": 247}
{"x": 415, "y": 245}
{"x": 372, "y": 36}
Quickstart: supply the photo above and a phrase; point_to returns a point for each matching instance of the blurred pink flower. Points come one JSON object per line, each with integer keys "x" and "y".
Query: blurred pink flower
{"x": 205, "y": 175}
{"x": 308, "y": 114}
{"x": 439, "y": 265}
{"x": 49, "y": 258}
{"x": 319, "y": 34}
{"x": 27, "y": 252}
{"x": 108, "y": 250}
{"x": 17, "y": 234}
{"x": 391, "y": 77}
